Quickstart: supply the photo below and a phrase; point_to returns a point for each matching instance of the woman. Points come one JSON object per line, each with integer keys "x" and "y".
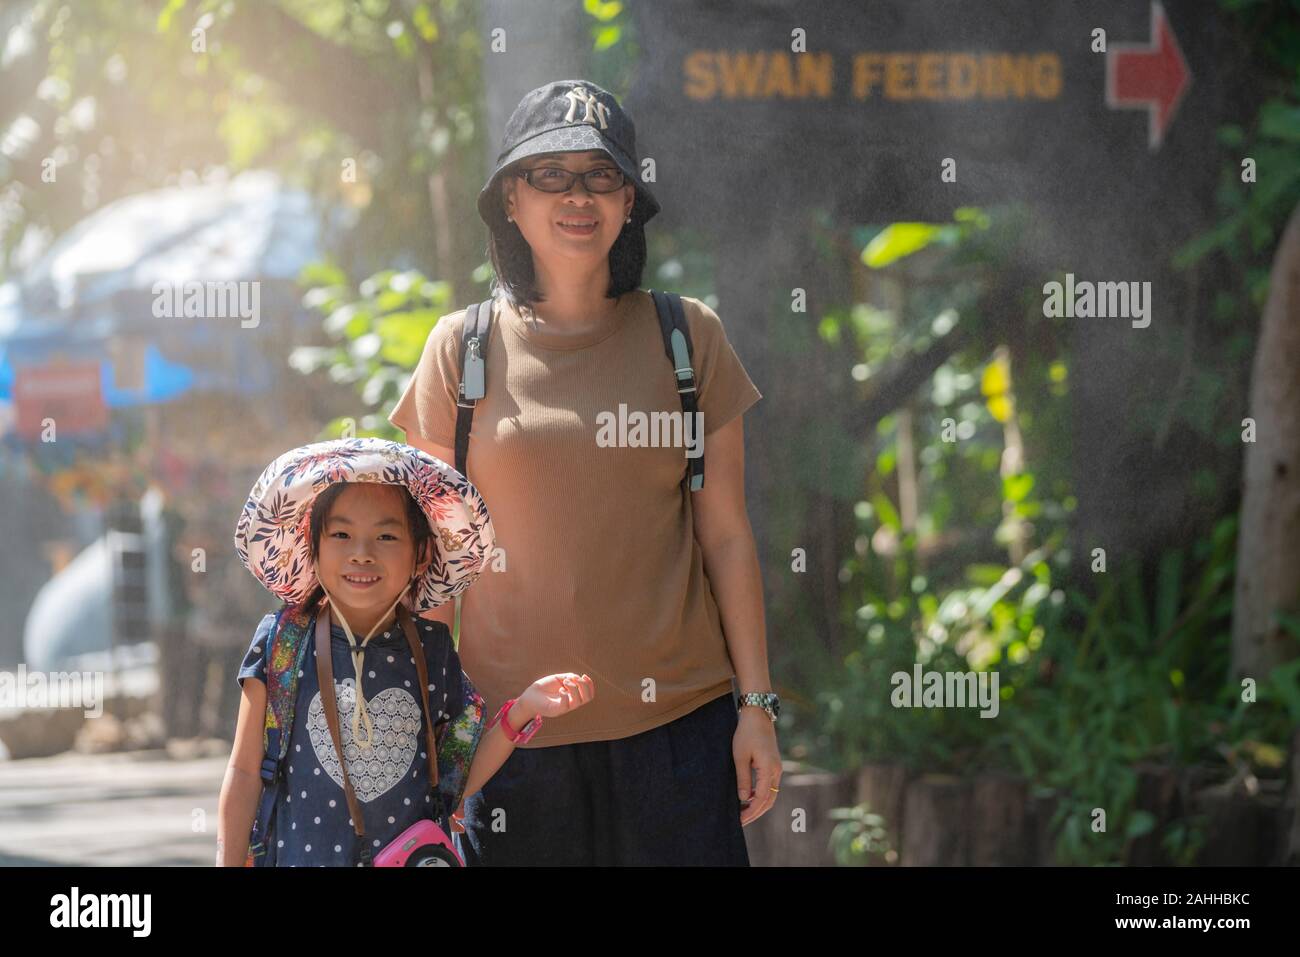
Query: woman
{"x": 606, "y": 564}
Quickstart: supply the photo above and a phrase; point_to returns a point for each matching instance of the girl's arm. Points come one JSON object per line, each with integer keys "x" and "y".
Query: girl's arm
{"x": 242, "y": 787}
{"x": 495, "y": 747}
{"x": 550, "y": 697}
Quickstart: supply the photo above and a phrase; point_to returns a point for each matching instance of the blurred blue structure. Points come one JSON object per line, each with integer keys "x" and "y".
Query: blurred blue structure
{"x": 92, "y": 291}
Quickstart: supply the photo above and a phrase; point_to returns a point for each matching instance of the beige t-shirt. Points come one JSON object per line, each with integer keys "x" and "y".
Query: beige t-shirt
{"x": 597, "y": 568}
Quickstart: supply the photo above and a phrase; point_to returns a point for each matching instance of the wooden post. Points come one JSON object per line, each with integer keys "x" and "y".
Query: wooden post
{"x": 1158, "y": 793}
{"x": 805, "y": 802}
{"x": 1291, "y": 806}
{"x": 1002, "y": 822}
{"x": 882, "y": 788}
{"x": 1045, "y": 832}
{"x": 936, "y": 822}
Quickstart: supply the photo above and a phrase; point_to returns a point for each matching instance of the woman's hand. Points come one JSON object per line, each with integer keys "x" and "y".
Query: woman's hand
{"x": 555, "y": 695}
{"x": 754, "y": 745}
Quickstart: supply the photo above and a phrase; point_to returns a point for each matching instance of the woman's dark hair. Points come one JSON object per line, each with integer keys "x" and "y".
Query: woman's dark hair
{"x": 512, "y": 257}
{"x": 417, "y": 525}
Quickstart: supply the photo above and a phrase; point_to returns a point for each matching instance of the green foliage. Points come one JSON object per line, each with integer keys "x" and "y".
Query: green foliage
{"x": 1254, "y": 213}
{"x": 1096, "y": 678}
{"x": 378, "y": 332}
{"x": 859, "y": 836}
{"x": 614, "y": 46}
{"x": 1091, "y": 688}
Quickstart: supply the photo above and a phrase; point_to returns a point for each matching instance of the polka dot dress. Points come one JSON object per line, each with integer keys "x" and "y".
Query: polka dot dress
{"x": 389, "y": 775}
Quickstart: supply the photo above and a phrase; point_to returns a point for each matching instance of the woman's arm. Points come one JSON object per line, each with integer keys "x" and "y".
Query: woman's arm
{"x": 731, "y": 564}
{"x": 242, "y": 787}
{"x": 730, "y": 555}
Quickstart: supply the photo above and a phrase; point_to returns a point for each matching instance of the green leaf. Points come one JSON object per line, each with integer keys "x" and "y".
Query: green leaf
{"x": 404, "y": 335}
{"x": 973, "y": 216}
{"x": 603, "y": 10}
{"x": 1139, "y": 823}
{"x": 424, "y": 23}
{"x": 1168, "y": 590}
{"x": 1221, "y": 236}
{"x": 1016, "y": 487}
{"x": 898, "y": 240}
{"x": 885, "y": 509}
{"x": 337, "y": 321}
{"x": 322, "y": 273}
{"x": 1279, "y": 120}
{"x": 167, "y": 13}
{"x": 1289, "y": 622}
{"x": 984, "y": 574}
{"x": 607, "y": 37}
{"x": 1230, "y": 135}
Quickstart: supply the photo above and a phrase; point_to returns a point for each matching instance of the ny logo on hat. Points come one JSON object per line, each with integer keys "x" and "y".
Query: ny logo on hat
{"x": 588, "y": 99}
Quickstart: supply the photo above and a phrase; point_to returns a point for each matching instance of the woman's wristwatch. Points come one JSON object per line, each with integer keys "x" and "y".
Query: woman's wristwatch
{"x": 767, "y": 700}
{"x": 524, "y": 734}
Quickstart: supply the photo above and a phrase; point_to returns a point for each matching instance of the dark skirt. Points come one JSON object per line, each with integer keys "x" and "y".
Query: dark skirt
{"x": 666, "y": 796}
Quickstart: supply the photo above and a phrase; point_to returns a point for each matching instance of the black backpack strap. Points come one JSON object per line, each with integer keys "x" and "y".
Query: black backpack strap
{"x": 473, "y": 373}
{"x": 677, "y": 346}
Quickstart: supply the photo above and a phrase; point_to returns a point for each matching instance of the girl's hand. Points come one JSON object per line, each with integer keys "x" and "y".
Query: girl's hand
{"x": 559, "y": 694}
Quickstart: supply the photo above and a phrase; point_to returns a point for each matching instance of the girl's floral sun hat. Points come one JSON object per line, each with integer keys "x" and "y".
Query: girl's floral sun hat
{"x": 273, "y": 536}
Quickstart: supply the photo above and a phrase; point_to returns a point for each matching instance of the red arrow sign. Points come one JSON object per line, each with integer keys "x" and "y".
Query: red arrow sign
{"x": 1153, "y": 77}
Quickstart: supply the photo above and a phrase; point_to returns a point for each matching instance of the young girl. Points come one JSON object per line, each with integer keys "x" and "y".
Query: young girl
{"x": 346, "y": 530}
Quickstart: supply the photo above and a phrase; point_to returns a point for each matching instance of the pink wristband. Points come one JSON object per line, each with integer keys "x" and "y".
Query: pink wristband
{"x": 524, "y": 734}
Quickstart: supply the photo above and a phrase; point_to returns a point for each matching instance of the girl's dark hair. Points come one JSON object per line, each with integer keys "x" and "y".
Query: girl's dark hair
{"x": 417, "y": 525}
{"x": 512, "y": 257}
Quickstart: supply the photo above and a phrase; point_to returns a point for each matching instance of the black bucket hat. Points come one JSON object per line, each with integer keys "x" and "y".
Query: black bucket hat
{"x": 566, "y": 116}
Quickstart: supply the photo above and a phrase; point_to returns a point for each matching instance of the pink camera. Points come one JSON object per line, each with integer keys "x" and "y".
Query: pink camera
{"x": 423, "y": 844}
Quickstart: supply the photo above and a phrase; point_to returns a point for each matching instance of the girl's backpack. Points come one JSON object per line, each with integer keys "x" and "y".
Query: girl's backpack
{"x": 456, "y": 740}
{"x": 473, "y": 371}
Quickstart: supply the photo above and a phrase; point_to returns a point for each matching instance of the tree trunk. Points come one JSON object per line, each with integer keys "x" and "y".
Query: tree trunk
{"x": 1268, "y": 544}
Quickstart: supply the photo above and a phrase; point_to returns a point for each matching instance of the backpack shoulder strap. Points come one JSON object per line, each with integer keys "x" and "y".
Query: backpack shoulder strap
{"x": 473, "y": 373}
{"x": 285, "y": 654}
{"x": 284, "y": 661}
{"x": 678, "y": 348}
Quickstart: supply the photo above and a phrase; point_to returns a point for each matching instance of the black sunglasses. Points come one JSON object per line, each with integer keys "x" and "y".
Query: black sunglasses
{"x": 552, "y": 179}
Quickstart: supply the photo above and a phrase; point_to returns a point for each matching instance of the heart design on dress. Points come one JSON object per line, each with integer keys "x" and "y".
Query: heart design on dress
{"x": 375, "y": 769}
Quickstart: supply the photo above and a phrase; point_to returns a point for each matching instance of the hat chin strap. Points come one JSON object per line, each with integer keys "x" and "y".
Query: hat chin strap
{"x": 358, "y": 653}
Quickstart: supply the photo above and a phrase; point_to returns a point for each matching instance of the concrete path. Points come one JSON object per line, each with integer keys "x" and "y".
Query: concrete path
{"x": 136, "y": 808}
